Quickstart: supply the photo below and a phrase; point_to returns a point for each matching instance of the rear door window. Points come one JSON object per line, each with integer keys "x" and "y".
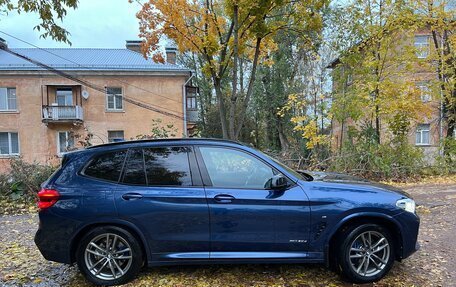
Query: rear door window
{"x": 134, "y": 168}
{"x": 168, "y": 166}
{"x": 107, "y": 166}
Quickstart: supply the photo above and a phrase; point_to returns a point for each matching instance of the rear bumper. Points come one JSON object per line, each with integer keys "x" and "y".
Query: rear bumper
{"x": 53, "y": 237}
{"x": 410, "y": 225}
{"x": 49, "y": 253}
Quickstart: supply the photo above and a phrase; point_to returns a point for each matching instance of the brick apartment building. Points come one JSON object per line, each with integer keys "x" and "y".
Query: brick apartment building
{"x": 113, "y": 94}
{"x": 426, "y": 134}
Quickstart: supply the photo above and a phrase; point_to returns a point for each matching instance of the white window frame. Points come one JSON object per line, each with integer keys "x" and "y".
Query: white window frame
{"x": 425, "y": 92}
{"x": 65, "y": 89}
{"x": 421, "y": 143}
{"x": 67, "y": 135}
{"x": 422, "y": 49}
{"x": 190, "y": 102}
{"x": 114, "y": 109}
{"x": 122, "y": 139}
{"x": 8, "y": 109}
{"x": 10, "y": 147}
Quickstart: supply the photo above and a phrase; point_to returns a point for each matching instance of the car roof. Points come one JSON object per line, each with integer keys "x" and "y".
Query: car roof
{"x": 185, "y": 141}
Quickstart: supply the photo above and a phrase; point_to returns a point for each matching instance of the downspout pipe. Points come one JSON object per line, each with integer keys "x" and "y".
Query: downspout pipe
{"x": 184, "y": 103}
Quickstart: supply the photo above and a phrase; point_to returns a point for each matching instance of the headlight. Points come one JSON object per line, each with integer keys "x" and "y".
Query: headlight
{"x": 406, "y": 204}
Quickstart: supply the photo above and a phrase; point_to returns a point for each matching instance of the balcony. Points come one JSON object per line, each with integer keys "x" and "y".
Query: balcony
{"x": 62, "y": 114}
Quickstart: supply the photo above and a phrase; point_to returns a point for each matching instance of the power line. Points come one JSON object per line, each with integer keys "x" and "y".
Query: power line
{"x": 89, "y": 84}
{"x": 88, "y": 68}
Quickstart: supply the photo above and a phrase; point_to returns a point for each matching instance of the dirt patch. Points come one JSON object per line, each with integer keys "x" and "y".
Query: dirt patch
{"x": 21, "y": 263}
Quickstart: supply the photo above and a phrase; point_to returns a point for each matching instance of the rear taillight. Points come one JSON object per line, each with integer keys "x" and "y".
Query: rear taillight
{"x": 47, "y": 198}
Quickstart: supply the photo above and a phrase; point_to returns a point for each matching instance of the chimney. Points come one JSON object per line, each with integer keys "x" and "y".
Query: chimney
{"x": 171, "y": 53}
{"x": 3, "y": 44}
{"x": 134, "y": 45}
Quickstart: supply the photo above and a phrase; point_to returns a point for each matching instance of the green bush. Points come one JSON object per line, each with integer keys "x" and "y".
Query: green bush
{"x": 446, "y": 163}
{"x": 23, "y": 181}
{"x": 362, "y": 155}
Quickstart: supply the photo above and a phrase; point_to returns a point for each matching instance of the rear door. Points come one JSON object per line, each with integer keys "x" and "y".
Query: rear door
{"x": 161, "y": 192}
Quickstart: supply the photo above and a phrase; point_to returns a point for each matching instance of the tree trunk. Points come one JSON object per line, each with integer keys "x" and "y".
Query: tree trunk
{"x": 233, "y": 102}
{"x": 221, "y": 106}
{"x": 284, "y": 143}
{"x": 449, "y": 107}
{"x": 342, "y": 129}
{"x": 243, "y": 109}
{"x": 377, "y": 124}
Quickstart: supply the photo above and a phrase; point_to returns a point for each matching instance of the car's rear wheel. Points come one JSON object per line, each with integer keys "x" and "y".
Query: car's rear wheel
{"x": 366, "y": 253}
{"x": 109, "y": 255}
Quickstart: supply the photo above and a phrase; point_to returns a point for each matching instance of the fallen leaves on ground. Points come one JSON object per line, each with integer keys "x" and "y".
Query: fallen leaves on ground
{"x": 431, "y": 179}
{"x": 21, "y": 263}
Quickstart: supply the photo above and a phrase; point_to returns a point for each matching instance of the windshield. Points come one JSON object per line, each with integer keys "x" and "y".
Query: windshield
{"x": 290, "y": 170}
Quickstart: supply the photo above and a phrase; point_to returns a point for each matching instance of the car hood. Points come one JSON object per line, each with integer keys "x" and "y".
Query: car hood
{"x": 333, "y": 177}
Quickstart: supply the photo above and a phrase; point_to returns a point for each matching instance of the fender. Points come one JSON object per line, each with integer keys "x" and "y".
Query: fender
{"x": 356, "y": 215}
{"x": 108, "y": 221}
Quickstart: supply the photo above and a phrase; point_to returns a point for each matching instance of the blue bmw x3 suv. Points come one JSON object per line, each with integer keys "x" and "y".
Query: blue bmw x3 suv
{"x": 114, "y": 208}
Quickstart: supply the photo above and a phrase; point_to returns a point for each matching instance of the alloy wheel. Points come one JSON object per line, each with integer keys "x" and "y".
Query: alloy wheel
{"x": 108, "y": 256}
{"x": 369, "y": 253}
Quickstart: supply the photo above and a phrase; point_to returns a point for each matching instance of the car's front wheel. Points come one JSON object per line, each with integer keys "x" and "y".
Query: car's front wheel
{"x": 109, "y": 255}
{"x": 366, "y": 253}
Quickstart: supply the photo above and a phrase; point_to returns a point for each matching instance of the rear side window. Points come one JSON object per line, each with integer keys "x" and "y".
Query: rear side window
{"x": 168, "y": 166}
{"x": 107, "y": 166}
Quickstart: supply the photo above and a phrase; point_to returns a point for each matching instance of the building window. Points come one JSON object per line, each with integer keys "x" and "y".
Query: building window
{"x": 65, "y": 142}
{"x": 115, "y": 136}
{"x": 9, "y": 143}
{"x": 422, "y": 46}
{"x": 114, "y": 99}
{"x": 191, "y": 103}
{"x": 425, "y": 92}
{"x": 422, "y": 134}
{"x": 64, "y": 96}
{"x": 8, "y": 99}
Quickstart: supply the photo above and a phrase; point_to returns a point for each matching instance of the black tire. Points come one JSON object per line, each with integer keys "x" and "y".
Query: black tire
{"x": 352, "y": 251}
{"x": 129, "y": 262}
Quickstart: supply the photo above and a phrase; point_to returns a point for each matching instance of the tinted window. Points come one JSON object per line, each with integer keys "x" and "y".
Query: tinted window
{"x": 168, "y": 166}
{"x": 106, "y": 166}
{"x": 235, "y": 169}
{"x": 134, "y": 169}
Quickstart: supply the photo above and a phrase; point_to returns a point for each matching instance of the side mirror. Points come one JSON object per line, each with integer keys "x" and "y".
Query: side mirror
{"x": 279, "y": 182}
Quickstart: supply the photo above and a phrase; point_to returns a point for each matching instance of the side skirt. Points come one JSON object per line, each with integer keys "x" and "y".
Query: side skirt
{"x": 243, "y": 258}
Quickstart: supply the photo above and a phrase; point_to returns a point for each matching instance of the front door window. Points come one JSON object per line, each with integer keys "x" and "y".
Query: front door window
{"x": 229, "y": 168}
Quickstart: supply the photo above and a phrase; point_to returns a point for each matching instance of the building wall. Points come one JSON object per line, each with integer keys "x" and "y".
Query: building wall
{"x": 419, "y": 73}
{"x": 38, "y": 141}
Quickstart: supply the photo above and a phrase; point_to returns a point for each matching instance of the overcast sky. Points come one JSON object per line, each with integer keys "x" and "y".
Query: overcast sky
{"x": 94, "y": 24}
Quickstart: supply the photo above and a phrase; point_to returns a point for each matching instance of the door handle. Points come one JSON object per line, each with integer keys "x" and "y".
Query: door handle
{"x": 132, "y": 196}
{"x": 224, "y": 198}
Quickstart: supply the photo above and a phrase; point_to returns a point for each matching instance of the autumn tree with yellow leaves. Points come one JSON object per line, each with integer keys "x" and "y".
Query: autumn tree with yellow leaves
{"x": 439, "y": 17}
{"x": 376, "y": 74}
{"x": 222, "y": 33}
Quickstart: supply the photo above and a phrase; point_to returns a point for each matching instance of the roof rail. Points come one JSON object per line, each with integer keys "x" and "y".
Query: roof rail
{"x": 164, "y": 140}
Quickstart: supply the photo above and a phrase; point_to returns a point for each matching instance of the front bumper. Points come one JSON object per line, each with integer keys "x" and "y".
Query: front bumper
{"x": 410, "y": 225}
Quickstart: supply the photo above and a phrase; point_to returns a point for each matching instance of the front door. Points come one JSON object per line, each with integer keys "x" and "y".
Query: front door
{"x": 162, "y": 194}
{"x": 248, "y": 219}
